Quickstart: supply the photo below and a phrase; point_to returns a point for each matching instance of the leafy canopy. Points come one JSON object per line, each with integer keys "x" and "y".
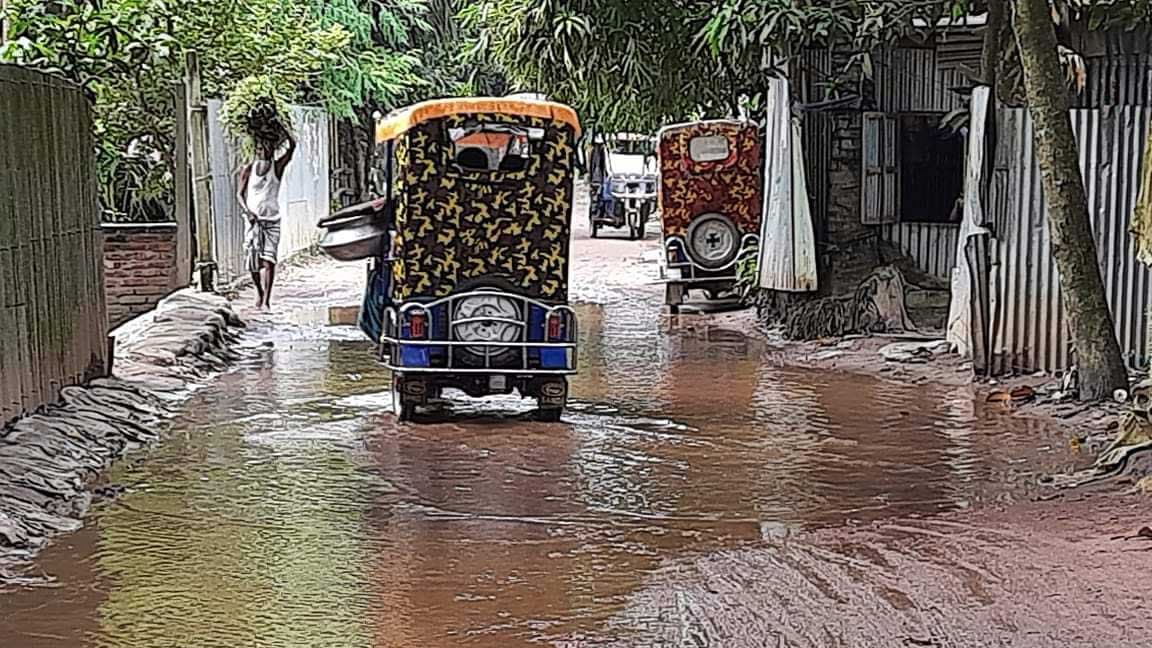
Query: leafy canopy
{"x": 634, "y": 64}
{"x": 337, "y": 54}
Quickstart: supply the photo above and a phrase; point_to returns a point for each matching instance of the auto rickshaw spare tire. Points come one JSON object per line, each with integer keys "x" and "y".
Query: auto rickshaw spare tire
{"x": 713, "y": 240}
{"x": 496, "y": 306}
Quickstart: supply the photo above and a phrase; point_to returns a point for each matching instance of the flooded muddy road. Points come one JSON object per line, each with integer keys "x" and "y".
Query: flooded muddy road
{"x": 697, "y": 494}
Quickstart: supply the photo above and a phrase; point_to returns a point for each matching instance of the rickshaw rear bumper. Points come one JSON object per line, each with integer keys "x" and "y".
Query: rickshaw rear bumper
{"x": 629, "y": 205}
{"x": 678, "y": 268}
{"x": 543, "y": 343}
{"x": 420, "y": 386}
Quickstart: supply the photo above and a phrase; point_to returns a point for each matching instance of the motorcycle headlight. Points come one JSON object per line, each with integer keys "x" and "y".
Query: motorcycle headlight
{"x": 713, "y": 240}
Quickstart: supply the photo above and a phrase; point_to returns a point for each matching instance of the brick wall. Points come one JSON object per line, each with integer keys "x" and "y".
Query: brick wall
{"x": 139, "y": 268}
{"x": 845, "y": 179}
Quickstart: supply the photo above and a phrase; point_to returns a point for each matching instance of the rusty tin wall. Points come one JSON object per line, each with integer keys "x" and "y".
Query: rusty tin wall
{"x": 816, "y": 69}
{"x": 910, "y": 80}
{"x": 53, "y": 325}
{"x": 1028, "y": 328}
{"x": 931, "y": 245}
{"x": 1117, "y": 80}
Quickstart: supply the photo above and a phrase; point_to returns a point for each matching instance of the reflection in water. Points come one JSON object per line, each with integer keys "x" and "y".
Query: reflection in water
{"x": 289, "y": 509}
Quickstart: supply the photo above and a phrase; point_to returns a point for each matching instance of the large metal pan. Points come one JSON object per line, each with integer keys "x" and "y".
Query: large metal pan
{"x": 355, "y": 233}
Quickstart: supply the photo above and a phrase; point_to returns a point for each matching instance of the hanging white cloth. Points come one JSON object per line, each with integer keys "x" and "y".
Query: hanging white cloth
{"x": 959, "y": 332}
{"x": 787, "y": 241}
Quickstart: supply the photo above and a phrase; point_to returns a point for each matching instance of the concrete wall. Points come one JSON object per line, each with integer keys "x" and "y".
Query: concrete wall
{"x": 140, "y": 268}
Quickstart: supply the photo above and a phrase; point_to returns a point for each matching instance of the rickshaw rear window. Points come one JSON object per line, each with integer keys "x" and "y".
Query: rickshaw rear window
{"x": 709, "y": 148}
{"x": 493, "y": 147}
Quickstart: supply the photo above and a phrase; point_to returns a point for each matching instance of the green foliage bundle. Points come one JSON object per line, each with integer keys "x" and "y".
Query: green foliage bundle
{"x": 257, "y": 112}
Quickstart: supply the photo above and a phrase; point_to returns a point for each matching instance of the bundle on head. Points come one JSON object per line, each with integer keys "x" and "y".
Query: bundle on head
{"x": 264, "y": 125}
{"x": 257, "y": 113}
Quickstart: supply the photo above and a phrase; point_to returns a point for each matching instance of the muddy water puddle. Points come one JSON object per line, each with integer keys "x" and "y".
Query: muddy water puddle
{"x": 288, "y": 508}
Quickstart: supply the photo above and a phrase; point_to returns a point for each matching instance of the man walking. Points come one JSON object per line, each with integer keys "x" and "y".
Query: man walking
{"x": 259, "y": 194}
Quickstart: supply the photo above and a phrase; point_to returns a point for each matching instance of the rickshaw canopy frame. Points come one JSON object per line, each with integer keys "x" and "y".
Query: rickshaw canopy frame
{"x": 405, "y": 119}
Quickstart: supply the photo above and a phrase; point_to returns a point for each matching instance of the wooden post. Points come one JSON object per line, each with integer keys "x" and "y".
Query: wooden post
{"x": 182, "y": 185}
{"x": 201, "y": 174}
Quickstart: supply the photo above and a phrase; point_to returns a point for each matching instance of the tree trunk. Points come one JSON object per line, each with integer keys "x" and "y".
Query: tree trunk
{"x": 1001, "y": 59}
{"x": 993, "y": 43}
{"x": 1090, "y": 321}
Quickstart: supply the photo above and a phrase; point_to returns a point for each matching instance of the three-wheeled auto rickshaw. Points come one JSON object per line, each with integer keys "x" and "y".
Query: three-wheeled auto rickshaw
{"x": 711, "y": 200}
{"x": 470, "y": 289}
{"x": 622, "y": 181}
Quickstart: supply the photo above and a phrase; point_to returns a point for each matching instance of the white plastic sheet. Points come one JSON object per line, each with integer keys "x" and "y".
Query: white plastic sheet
{"x": 787, "y": 241}
{"x": 960, "y": 310}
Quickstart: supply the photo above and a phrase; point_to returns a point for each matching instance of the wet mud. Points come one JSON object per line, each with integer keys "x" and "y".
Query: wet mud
{"x": 697, "y": 493}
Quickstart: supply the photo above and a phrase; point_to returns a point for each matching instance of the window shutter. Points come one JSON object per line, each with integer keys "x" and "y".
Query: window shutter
{"x": 880, "y": 190}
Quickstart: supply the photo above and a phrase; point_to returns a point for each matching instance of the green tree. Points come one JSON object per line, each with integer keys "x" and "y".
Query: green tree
{"x": 128, "y": 53}
{"x": 1090, "y": 320}
{"x": 622, "y": 65}
{"x": 432, "y": 40}
{"x": 639, "y": 64}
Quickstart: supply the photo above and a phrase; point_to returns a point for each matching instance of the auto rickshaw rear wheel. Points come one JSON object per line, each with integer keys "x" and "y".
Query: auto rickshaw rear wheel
{"x": 551, "y": 399}
{"x": 645, "y": 214}
{"x": 673, "y": 297}
{"x": 403, "y": 408}
{"x": 549, "y": 414}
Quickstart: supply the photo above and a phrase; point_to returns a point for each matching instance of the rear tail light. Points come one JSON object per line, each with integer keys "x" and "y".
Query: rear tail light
{"x": 555, "y": 327}
{"x": 673, "y": 255}
{"x": 418, "y": 325}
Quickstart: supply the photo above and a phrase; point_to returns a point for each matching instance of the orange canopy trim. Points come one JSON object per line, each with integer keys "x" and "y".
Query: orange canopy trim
{"x": 401, "y": 121}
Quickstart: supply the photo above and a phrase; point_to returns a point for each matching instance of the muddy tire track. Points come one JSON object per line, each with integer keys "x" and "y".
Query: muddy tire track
{"x": 1040, "y": 582}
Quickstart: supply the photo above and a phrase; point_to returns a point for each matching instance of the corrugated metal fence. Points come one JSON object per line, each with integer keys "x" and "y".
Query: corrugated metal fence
{"x": 931, "y": 245}
{"x": 52, "y": 312}
{"x": 909, "y": 80}
{"x": 1028, "y": 328}
{"x": 304, "y": 192}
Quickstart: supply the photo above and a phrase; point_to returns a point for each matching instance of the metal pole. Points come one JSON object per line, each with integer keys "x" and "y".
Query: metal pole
{"x": 201, "y": 174}
{"x": 182, "y": 186}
